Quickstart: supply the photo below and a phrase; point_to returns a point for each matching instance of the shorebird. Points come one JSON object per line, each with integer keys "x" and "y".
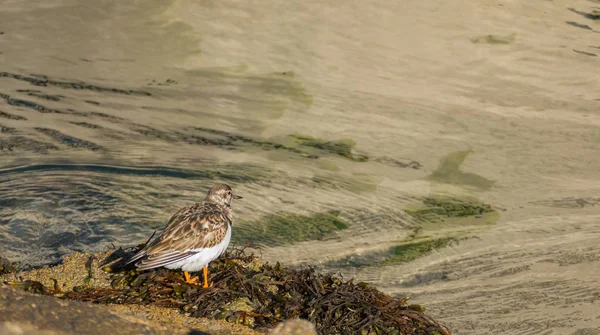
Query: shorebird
{"x": 194, "y": 236}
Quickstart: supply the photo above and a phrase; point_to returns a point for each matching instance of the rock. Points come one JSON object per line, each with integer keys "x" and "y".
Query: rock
{"x": 23, "y": 313}
{"x": 294, "y": 327}
{"x": 22, "y": 328}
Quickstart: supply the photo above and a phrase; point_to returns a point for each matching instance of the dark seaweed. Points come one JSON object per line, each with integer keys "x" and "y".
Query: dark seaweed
{"x": 258, "y": 295}
{"x": 69, "y": 140}
{"x": 41, "y": 80}
{"x": 11, "y": 116}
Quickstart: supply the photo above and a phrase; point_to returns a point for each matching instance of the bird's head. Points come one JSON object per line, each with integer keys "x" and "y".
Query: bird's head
{"x": 221, "y": 194}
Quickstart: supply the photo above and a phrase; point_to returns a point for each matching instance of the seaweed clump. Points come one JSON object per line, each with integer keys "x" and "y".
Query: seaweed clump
{"x": 246, "y": 291}
{"x": 409, "y": 252}
{"x": 435, "y": 207}
{"x": 342, "y": 147}
{"x": 281, "y": 228}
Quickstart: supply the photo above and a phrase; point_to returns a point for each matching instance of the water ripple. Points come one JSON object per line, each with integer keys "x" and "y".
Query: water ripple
{"x": 126, "y": 170}
{"x": 49, "y": 210}
{"x": 44, "y": 81}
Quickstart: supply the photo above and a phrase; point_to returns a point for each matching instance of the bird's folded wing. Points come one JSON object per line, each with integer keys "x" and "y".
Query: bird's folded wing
{"x": 163, "y": 258}
{"x": 189, "y": 231}
{"x": 195, "y": 227}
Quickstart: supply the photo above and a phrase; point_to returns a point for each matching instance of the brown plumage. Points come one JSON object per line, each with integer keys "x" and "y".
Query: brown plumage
{"x": 194, "y": 236}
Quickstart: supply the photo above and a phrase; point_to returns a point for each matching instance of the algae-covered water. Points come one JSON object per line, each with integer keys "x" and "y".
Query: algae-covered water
{"x": 451, "y": 158}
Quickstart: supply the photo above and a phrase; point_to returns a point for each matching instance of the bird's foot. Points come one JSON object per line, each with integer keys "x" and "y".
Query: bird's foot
{"x": 191, "y": 280}
{"x": 206, "y": 284}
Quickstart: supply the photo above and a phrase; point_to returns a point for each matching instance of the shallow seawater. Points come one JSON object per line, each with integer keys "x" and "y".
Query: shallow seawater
{"x": 100, "y": 147}
{"x": 429, "y": 154}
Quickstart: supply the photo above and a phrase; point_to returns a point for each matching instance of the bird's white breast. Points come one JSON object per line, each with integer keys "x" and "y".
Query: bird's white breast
{"x": 203, "y": 256}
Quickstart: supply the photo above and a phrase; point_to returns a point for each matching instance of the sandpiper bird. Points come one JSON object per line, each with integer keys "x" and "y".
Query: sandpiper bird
{"x": 194, "y": 236}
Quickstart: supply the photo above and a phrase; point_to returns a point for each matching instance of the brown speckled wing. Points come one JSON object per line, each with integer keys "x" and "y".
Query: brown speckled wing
{"x": 195, "y": 227}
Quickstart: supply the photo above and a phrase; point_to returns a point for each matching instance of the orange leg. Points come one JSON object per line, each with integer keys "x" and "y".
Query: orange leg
{"x": 189, "y": 279}
{"x": 206, "y": 285}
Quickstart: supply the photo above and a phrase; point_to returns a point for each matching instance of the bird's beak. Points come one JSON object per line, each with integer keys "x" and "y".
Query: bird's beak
{"x": 235, "y": 196}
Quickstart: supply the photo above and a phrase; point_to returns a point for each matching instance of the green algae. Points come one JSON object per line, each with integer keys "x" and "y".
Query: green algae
{"x": 494, "y": 39}
{"x": 449, "y": 172}
{"x": 408, "y": 252}
{"x": 402, "y": 253}
{"x": 342, "y": 147}
{"x": 437, "y": 209}
{"x": 438, "y": 215}
{"x": 301, "y": 145}
{"x": 282, "y": 228}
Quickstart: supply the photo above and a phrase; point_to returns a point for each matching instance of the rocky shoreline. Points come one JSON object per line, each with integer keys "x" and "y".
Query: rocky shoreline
{"x": 248, "y": 297}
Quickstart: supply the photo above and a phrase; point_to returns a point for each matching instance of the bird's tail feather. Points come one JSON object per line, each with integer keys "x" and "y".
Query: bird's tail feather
{"x": 137, "y": 256}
